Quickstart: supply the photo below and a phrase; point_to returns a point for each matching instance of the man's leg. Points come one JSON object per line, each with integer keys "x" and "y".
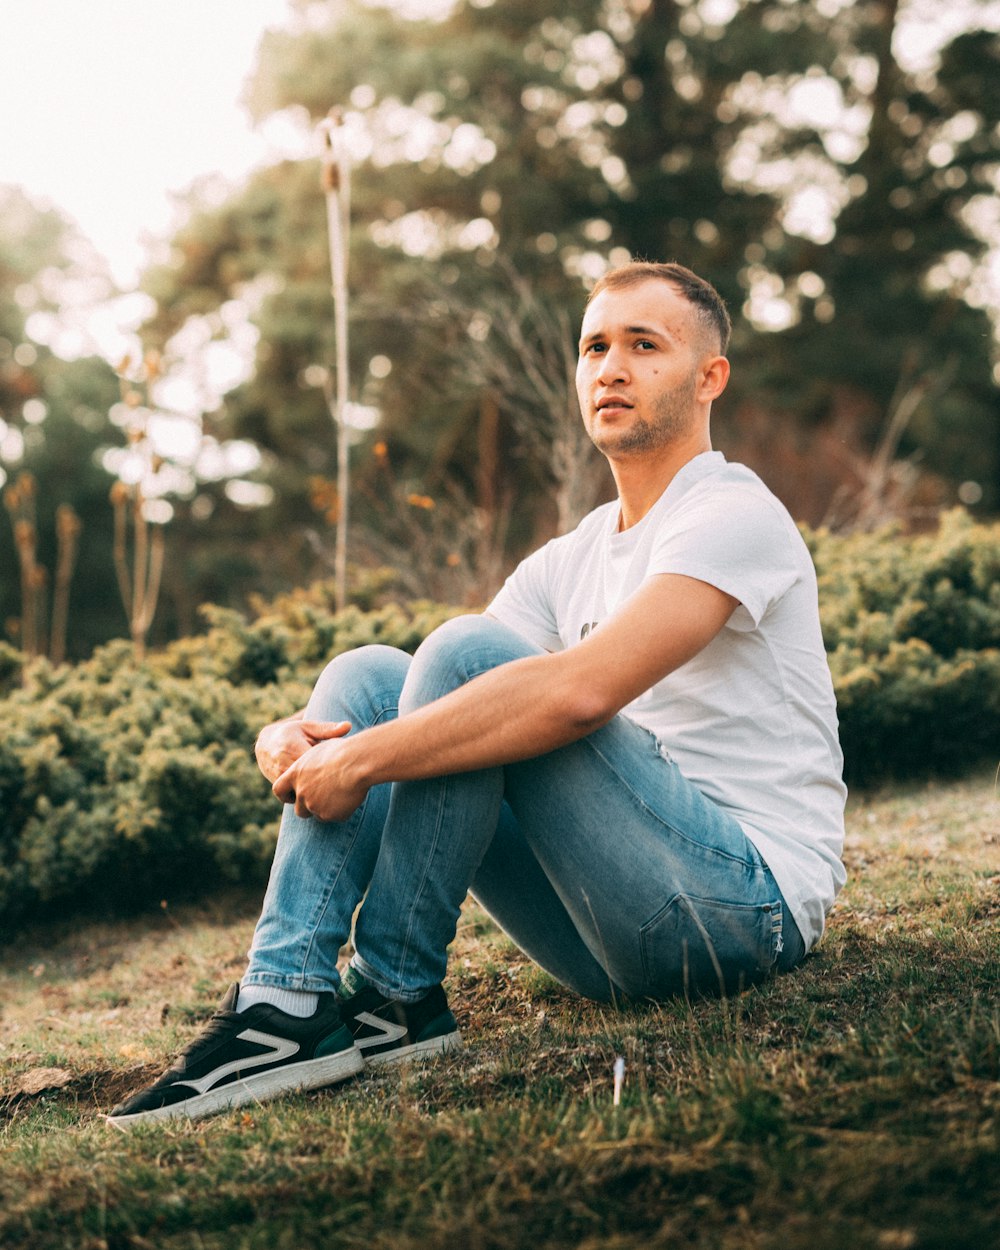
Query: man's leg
{"x": 436, "y": 831}
{"x": 662, "y": 888}
{"x": 263, "y": 1040}
{"x": 321, "y": 871}
{"x": 512, "y": 886}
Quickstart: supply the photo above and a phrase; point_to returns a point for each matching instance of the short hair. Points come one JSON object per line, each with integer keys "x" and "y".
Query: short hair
{"x": 706, "y": 299}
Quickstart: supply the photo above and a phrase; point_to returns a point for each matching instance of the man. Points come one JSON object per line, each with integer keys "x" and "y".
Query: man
{"x": 631, "y": 759}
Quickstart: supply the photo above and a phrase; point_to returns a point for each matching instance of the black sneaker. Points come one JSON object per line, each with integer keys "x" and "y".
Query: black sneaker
{"x": 386, "y": 1031}
{"x": 247, "y": 1056}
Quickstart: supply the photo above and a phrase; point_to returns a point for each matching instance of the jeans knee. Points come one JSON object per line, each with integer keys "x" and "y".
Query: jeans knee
{"x": 457, "y": 651}
{"x": 456, "y": 636}
{"x": 357, "y": 682}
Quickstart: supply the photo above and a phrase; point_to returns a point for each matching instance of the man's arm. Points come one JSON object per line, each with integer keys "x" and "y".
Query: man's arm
{"x": 521, "y": 709}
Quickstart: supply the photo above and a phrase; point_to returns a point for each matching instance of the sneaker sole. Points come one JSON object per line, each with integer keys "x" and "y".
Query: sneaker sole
{"x": 418, "y": 1050}
{"x": 312, "y": 1074}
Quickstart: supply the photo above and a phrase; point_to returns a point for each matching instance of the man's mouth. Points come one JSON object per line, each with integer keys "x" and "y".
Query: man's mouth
{"x": 612, "y": 403}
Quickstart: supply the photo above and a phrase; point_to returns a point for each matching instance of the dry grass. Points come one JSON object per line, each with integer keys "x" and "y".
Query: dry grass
{"x": 855, "y": 1103}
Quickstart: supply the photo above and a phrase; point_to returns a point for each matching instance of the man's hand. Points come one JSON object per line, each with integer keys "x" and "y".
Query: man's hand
{"x": 320, "y": 783}
{"x": 280, "y": 745}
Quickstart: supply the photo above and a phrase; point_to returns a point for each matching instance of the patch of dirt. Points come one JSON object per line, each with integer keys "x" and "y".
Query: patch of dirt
{"x": 98, "y": 1090}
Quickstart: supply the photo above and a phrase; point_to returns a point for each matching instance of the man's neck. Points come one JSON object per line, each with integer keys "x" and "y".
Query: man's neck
{"x": 642, "y": 479}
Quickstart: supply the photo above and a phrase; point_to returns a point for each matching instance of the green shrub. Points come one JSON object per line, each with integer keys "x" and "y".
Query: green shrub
{"x": 912, "y": 626}
{"x": 123, "y": 784}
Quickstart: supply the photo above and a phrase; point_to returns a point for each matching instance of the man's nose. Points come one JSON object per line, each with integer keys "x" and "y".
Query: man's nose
{"x": 613, "y": 367}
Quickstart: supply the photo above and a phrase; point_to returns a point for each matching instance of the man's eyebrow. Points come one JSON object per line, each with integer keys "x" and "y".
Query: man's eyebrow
{"x": 648, "y": 331}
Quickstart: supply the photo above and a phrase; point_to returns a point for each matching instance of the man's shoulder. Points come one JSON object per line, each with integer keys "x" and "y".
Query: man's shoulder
{"x": 725, "y": 474}
{"x": 732, "y": 507}
{"x": 732, "y": 484}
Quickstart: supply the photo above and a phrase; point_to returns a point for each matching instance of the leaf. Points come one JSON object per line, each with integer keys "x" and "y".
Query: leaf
{"x": 38, "y": 1080}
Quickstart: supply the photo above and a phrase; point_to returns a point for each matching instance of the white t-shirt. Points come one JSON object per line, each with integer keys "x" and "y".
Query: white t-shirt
{"x": 752, "y": 719}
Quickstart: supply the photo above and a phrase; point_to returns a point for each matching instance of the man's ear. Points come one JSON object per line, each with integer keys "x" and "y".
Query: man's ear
{"x": 713, "y": 376}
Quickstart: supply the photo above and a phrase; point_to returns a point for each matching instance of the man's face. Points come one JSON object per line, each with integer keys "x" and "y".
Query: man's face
{"x": 637, "y": 376}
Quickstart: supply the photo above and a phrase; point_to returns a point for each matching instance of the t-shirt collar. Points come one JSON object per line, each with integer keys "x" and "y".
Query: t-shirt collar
{"x": 696, "y": 470}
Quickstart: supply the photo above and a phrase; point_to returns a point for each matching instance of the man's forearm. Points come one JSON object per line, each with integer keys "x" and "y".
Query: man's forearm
{"x": 530, "y": 706}
{"x": 517, "y": 711}
{"x": 521, "y": 709}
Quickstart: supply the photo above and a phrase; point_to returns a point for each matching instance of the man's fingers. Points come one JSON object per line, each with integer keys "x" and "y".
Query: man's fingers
{"x": 284, "y": 788}
{"x": 325, "y": 729}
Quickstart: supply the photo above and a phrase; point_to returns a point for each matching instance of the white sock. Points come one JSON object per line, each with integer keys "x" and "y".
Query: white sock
{"x": 300, "y": 1003}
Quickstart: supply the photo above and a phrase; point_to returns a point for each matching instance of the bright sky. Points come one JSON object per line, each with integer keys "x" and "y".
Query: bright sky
{"x": 109, "y": 104}
{"x": 107, "y": 107}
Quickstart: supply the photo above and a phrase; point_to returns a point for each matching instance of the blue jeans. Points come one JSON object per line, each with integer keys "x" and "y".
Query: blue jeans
{"x": 600, "y": 860}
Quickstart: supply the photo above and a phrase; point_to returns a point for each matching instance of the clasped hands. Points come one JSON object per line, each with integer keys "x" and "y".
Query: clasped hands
{"x": 305, "y": 761}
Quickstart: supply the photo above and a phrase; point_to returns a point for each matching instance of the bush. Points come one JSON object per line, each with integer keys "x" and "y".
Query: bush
{"x": 912, "y": 627}
{"x": 122, "y": 784}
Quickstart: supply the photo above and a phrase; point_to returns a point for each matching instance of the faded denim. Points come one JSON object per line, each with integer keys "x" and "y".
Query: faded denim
{"x": 599, "y": 859}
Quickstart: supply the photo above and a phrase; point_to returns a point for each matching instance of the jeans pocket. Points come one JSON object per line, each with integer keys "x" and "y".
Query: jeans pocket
{"x": 699, "y": 946}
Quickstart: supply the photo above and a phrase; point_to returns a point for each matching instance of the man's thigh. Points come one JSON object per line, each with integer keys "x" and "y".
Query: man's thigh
{"x": 664, "y": 887}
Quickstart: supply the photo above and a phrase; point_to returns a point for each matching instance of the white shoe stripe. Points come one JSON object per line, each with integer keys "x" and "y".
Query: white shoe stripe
{"x": 388, "y": 1032}
{"x": 281, "y": 1048}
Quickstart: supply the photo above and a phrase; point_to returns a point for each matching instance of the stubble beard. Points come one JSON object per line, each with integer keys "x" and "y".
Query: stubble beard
{"x": 671, "y": 418}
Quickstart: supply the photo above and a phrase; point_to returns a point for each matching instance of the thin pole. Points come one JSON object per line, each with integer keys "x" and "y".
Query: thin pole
{"x": 337, "y": 188}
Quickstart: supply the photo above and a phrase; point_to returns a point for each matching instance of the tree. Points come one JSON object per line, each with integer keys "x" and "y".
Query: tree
{"x": 561, "y": 137}
{"x": 887, "y": 336}
{"x": 53, "y": 420}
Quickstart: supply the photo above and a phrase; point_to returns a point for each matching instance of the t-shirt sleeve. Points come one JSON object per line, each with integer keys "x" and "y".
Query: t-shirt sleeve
{"x": 736, "y": 541}
{"x": 525, "y": 602}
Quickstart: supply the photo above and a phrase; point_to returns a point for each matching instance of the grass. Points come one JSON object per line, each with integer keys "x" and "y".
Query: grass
{"x": 855, "y": 1103}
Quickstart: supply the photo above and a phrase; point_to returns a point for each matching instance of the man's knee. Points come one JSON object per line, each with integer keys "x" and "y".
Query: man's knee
{"x": 457, "y": 637}
{"x": 368, "y": 676}
{"x": 458, "y": 651}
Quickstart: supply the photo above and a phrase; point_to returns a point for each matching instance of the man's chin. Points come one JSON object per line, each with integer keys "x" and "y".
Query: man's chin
{"x": 621, "y": 446}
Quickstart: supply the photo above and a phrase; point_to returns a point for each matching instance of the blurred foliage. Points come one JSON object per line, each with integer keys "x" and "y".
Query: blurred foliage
{"x": 39, "y": 250}
{"x": 508, "y": 151}
{"x": 122, "y": 784}
{"x": 542, "y": 140}
{"x": 912, "y": 627}
{"x": 56, "y": 429}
